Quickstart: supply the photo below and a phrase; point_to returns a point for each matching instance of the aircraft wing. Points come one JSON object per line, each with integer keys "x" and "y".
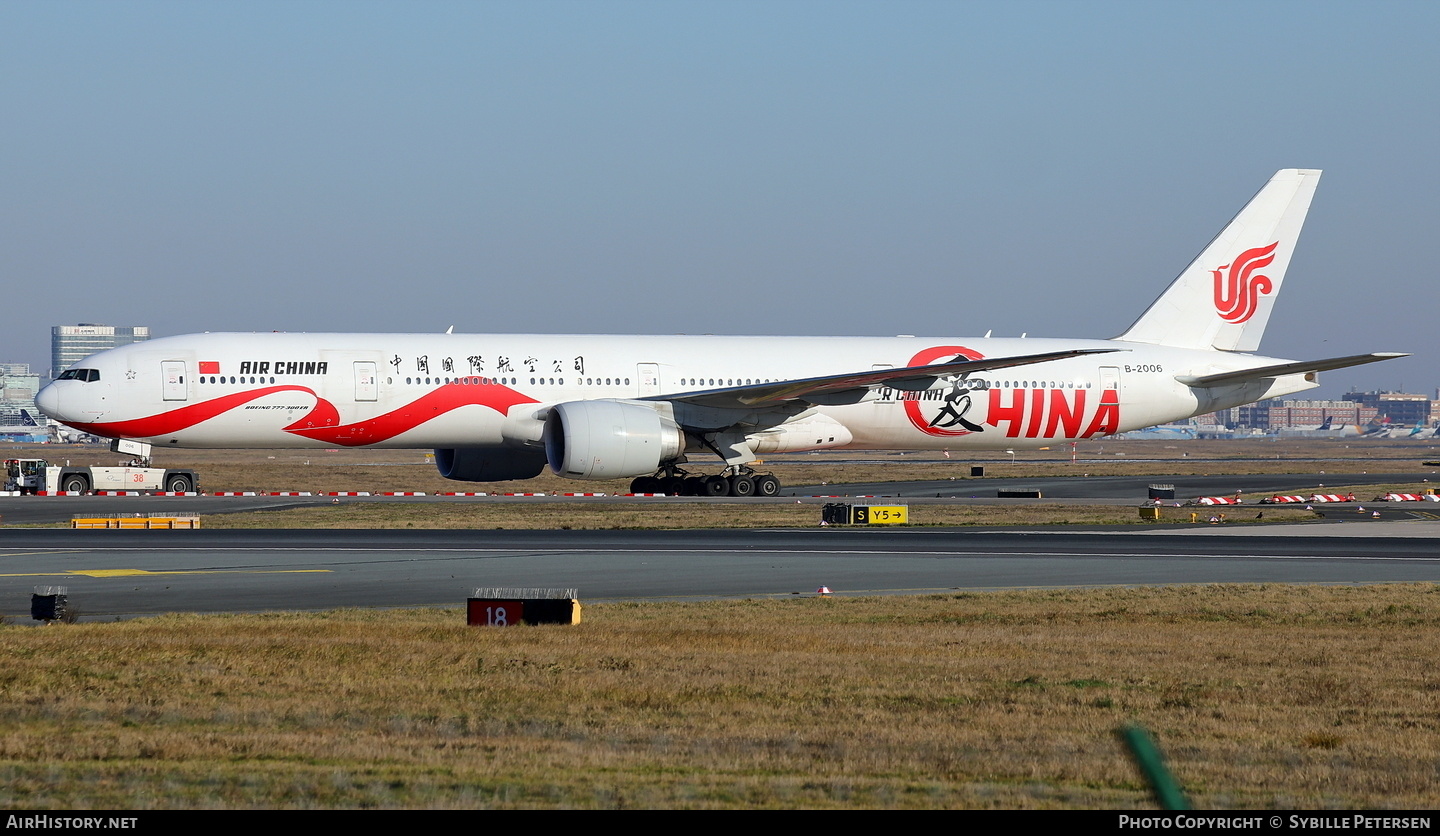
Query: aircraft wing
{"x": 1206, "y": 381}
{"x": 849, "y": 388}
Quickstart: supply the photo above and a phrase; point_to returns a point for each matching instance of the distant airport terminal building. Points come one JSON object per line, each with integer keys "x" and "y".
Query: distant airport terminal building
{"x": 70, "y": 344}
{"x": 1398, "y": 407}
{"x": 17, "y": 391}
{"x": 1355, "y": 409}
{"x": 1277, "y": 414}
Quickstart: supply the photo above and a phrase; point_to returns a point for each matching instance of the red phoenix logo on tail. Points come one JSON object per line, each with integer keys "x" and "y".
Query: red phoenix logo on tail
{"x": 1238, "y": 287}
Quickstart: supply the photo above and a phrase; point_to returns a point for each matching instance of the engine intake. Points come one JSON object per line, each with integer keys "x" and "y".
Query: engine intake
{"x": 608, "y": 439}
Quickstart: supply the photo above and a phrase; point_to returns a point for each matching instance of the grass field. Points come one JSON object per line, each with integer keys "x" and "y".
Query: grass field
{"x": 582, "y": 515}
{"x": 1261, "y": 696}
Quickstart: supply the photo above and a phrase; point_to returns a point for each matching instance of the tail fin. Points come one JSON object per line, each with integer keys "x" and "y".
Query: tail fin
{"x": 1223, "y": 298}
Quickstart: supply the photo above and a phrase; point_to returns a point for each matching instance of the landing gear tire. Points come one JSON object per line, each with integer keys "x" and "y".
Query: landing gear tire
{"x": 742, "y": 486}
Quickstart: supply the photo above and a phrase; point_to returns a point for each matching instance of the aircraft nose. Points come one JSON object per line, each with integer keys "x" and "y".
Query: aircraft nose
{"x": 48, "y": 401}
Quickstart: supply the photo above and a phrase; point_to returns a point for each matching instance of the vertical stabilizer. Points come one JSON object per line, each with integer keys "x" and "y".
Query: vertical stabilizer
{"x": 1223, "y": 299}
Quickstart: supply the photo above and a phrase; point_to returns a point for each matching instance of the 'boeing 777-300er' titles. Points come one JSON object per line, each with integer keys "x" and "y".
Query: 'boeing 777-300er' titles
{"x": 504, "y": 406}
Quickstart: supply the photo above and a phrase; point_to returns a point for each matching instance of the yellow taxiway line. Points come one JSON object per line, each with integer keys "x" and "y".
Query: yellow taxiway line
{"x": 130, "y": 573}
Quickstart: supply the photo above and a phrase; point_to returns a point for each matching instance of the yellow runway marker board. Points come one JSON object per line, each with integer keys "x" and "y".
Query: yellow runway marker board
{"x": 879, "y": 514}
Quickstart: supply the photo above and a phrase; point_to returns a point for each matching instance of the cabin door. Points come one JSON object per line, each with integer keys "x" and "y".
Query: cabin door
{"x": 649, "y": 375}
{"x": 367, "y": 382}
{"x": 172, "y": 376}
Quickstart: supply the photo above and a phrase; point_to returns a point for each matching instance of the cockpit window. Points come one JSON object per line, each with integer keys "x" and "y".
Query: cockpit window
{"x": 82, "y": 375}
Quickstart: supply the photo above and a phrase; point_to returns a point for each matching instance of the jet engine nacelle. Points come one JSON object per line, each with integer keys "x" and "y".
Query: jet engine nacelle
{"x": 607, "y": 439}
{"x": 489, "y": 464}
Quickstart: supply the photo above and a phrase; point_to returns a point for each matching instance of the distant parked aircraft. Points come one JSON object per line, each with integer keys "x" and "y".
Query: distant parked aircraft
{"x": 28, "y": 431}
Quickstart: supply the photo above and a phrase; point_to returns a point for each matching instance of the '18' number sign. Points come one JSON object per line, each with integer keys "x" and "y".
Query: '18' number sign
{"x": 491, "y": 613}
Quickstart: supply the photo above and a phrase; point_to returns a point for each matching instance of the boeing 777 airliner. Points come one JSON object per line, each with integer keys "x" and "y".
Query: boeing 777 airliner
{"x": 503, "y": 406}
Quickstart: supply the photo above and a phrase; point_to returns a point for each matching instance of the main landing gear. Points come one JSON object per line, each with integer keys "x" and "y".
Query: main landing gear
{"x": 733, "y": 481}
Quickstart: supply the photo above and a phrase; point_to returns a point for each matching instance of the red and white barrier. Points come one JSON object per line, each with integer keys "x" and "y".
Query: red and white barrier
{"x": 461, "y": 493}
{"x": 1218, "y": 500}
{"x": 1282, "y": 499}
{"x": 176, "y": 493}
{"x": 1332, "y": 497}
{"x": 120, "y": 493}
{"x": 348, "y": 493}
{"x": 289, "y": 493}
{"x": 234, "y": 493}
{"x": 404, "y": 493}
{"x": 581, "y": 494}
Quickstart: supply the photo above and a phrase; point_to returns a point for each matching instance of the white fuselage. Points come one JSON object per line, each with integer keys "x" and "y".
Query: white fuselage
{"x": 473, "y": 391}
{"x": 503, "y": 406}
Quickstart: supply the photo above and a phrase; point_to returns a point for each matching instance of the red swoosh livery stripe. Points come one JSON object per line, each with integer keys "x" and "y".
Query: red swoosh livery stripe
{"x": 185, "y": 417}
{"x": 322, "y": 423}
{"x": 437, "y": 402}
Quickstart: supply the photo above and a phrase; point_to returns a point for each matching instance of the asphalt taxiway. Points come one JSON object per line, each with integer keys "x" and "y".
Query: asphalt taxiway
{"x": 110, "y": 574}
{"x": 1126, "y": 488}
{"x": 1116, "y": 490}
{"x": 115, "y": 574}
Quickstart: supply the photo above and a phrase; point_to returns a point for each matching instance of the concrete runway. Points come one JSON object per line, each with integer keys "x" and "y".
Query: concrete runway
{"x": 112, "y": 574}
{"x": 1124, "y": 489}
{"x": 116, "y": 574}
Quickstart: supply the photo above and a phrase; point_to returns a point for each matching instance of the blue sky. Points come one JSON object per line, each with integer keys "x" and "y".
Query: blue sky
{"x": 733, "y": 167}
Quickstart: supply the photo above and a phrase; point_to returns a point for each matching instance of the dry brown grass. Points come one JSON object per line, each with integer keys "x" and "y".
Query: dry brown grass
{"x": 1269, "y": 696}
{"x": 529, "y": 514}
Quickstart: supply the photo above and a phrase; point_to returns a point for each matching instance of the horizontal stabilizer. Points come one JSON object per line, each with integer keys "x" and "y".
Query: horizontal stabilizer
{"x": 1207, "y": 381}
{"x": 814, "y": 389}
